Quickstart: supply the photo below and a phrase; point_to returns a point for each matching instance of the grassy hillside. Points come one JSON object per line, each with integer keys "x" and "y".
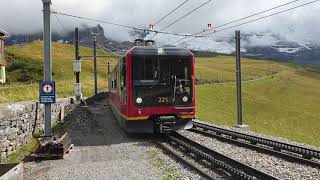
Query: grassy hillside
{"x": 278, "y": 99}
{"x": 284, "y": 102}
{"x": 26, "y": 65}
{"x": 222, "y": 69}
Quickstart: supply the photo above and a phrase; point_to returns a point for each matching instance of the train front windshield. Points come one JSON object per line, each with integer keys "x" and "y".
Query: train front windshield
{"x": 161, "y": 80}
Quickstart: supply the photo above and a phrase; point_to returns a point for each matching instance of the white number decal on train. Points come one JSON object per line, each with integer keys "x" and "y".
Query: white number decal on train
{"x": 162, "y": 99}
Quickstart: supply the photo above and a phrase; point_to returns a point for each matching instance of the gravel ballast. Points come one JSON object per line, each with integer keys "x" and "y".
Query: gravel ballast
{"x": 103, "y": 151}
{"x": 275, "y": 166}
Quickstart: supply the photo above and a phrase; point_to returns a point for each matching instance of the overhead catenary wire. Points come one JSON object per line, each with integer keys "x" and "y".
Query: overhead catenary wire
{"x": 100, "y": 21}
{"x": 109, "y": 51}
{"x": 176, "y": 8}
{"x": 184, "y": 16}
{"x": 205, "y": 36}
{"x": 257, "y": 19}
{"x": 121, "y": 25}
{"x": 174, "y": 22}
{"x": 240, "y": 19}
{"x": 59, "y": 22}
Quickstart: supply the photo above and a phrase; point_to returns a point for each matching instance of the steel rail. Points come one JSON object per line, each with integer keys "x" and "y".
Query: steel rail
{"x": 287, "y": 151}
{"x": 184, "y": 161}
{"x": 217, "y": 161}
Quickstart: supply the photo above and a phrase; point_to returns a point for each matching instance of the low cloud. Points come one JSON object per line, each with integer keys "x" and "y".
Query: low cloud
{"x": 21, "y": 16}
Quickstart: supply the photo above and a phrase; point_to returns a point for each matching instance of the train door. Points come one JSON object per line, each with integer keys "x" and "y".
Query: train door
{"x": 123, "y": 86}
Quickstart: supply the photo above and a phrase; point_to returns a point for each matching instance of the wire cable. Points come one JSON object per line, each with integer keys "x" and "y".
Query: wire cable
{"x": 257, "y": 19}
{"x": 184, "y": 16}
{"x": 120, "y": 25}
{"x": 174, "y": 22}
{"x": 100, "y": 21}
{"x": 237, "y": 20}
{"x": 168, "y": 15}
{"x": 59, "y": 22}
{"x": 171, "y": 12}
{"x": 107, "y": 50}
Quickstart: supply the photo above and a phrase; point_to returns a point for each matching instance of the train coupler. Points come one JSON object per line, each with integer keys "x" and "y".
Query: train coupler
{"x": 165, "y": 124}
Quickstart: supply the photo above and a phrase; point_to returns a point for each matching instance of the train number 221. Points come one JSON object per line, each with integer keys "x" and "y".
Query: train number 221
{"x": 162, "y": 99}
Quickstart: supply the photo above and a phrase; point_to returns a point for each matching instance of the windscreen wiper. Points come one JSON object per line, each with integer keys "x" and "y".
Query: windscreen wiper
{"x": 174, "y": 88}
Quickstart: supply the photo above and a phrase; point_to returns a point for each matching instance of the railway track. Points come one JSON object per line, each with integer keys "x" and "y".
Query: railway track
{"x": 206, "y": 160}
{"x": 283, "y": 150}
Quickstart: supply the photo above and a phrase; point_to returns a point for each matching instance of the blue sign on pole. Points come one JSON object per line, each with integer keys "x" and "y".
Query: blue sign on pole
{"x": 47, "y": 92}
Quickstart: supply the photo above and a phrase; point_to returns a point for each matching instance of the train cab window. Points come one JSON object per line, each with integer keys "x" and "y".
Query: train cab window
{"x": 162, "y": 80}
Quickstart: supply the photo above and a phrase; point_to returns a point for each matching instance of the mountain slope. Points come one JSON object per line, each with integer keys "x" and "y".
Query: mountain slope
{"x": 264, "y": 45}
{"x": 25, "y": 67}
{"x": 85, "y": 35}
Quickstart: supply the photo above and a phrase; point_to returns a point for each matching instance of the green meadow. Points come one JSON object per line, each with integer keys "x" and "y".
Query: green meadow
{"x": 278, "y": 99}
{"x": 26, "y": 66}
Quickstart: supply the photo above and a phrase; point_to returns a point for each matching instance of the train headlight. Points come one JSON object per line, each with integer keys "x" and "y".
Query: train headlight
{"x": 185, "y": 99}
{"x": 139, "y": 100}
{"x": 160, "y": 51}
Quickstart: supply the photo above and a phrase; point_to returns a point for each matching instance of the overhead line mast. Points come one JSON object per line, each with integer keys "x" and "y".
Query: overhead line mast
{"x": 47, "y": 63}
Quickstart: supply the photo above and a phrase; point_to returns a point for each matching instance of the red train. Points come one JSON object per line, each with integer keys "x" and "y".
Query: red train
{"x": 152, "y": 89}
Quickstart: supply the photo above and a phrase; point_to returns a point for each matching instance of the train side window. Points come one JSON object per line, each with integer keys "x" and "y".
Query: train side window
{"x": 123, "y": 74}
{"x": 115, "y": 77}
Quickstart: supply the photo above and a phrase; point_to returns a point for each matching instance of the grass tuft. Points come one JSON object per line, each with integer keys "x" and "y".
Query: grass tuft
{"x": 156, "y": 161}
{"x": 23, "y": 151}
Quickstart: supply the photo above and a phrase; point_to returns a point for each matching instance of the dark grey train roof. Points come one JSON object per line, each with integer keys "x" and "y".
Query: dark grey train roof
{"x": 169, "y": 51}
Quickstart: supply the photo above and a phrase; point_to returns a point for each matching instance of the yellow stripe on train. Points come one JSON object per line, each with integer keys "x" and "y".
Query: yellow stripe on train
{"x": 146, "y": 117}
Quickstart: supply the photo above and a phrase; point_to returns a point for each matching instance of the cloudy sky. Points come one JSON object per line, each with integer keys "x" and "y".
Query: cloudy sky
{"x": 25, "y": 16}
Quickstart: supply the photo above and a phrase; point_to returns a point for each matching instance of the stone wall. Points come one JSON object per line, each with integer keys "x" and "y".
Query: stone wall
{"x": 17, "y": 122}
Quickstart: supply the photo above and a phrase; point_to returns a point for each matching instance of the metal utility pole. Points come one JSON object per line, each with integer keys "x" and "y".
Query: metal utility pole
{"x": 108, "y": 68}
{"x": 47, "y": 62}
{"x": 238, "y": 79}
{"x": 76, "y": 43}
{"x": 95, "y": 63}
{"x": 77, "y": 67}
